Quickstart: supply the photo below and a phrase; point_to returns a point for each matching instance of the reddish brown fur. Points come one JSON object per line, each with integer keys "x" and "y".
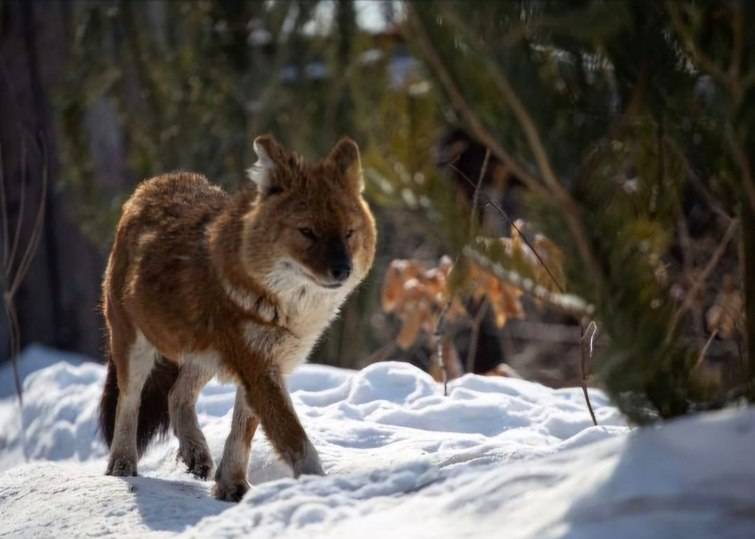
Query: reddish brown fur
{"x": 238, "y": 280}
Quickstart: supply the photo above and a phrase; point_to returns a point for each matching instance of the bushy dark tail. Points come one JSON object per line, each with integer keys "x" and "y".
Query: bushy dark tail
{"x": 154, "y": 418}
{"x": 108, "y": 404}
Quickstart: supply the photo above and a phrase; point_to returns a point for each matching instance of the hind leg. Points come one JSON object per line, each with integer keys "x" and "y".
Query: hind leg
{"x": 231, "y": 483}
{"x": 192, "y": 446}
{"x": 134, "y": 361}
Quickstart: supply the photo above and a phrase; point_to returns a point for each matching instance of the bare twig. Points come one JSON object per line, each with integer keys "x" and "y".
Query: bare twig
{"x": 586, "y": 341}
{"x": 704, "y": 350}
{"x": 476, "y": 194}
{"x": 440, "y": 327}
{"x": 512, "y": 223}
{"x": 439, "y": 332}
{"x": 36, "y": 234}
{"x": 19, "y": 218}
{"x": 14, "y": 271}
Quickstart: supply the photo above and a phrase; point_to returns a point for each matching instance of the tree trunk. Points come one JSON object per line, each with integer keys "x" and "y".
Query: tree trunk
{"x": 57, "y": 301}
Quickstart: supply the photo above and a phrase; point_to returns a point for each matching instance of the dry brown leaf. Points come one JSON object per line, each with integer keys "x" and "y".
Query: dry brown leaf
{"x": 504, "y": 298}
{"x": 416, "y": 295}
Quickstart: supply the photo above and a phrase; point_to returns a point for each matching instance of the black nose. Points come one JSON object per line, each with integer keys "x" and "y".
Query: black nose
{"x": 340, "y": 271}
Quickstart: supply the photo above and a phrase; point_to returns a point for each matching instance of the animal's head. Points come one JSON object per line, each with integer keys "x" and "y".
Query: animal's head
{"x": 310, "y": 223}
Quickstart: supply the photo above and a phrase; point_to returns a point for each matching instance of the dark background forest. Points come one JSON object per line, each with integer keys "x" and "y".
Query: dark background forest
{"x": 609, "y": 143}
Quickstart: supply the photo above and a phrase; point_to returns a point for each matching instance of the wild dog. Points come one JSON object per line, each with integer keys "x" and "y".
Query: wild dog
{"x": 200, "y": 282}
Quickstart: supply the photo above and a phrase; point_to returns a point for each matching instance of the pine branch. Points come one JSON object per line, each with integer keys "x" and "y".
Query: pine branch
{"x": 553, "y": 186}
{"x": 465, "y": 110}
{"x": 566, "y": 303}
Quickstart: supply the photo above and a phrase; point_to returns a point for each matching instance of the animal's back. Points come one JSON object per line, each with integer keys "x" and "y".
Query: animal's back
{"x": 177, "y": 200}
{"x": 161, "y": 246}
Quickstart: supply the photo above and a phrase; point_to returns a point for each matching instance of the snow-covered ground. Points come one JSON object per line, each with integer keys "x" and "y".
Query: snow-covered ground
{"x": 495, "y": 458}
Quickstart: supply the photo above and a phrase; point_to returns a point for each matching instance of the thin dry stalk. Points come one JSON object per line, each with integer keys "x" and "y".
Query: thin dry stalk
{"x": 562, "y": 301}
{"x": 587, "y": 341}
{"x": 14, "y": 332}
{"x": 19, "y": 218}
{"x": 701, "y": 356}
{"x": 36, "y": 235}
{"x": 512, "y": 223}
{"x": 440, "y": 327}
{"x": 14, "y": 271}
{"x": 438, "y": 336}
{"x": 476, "y": 194}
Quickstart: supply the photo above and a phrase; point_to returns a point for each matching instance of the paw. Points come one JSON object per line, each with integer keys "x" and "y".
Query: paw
{"x": 230, "y": 491}
{"x": 121, "y": 467}
{"x": 197, "y": 459}
{"x": 310, "y": 468}
{"x": 308, "y": 463}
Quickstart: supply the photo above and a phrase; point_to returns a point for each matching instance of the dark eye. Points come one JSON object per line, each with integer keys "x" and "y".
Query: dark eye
{"x": 308, "y": 233}
{"x": 349, "y": 233}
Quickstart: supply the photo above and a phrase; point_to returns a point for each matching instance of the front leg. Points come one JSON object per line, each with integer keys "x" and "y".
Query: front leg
{"x": 267, "y": 395}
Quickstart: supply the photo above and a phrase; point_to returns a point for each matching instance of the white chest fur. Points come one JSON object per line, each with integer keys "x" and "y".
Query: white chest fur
{"x": 307, "y": 311}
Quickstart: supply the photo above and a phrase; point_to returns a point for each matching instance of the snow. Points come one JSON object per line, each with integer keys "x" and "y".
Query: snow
{"x": 496, "y": 457}
{"x": 34, "y": 357}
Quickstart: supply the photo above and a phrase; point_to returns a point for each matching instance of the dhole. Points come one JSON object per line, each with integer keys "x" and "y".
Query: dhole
{"x": 200, "y": 283}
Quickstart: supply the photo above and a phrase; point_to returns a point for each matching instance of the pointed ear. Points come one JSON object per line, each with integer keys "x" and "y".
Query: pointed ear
{"x": 270, "y": 156}
{"x": 345, "y": 157}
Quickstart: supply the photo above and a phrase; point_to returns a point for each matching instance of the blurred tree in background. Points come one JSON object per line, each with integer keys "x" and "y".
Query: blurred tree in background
{"x": 620, "y": 130}
{"x": 629, "y": 125}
